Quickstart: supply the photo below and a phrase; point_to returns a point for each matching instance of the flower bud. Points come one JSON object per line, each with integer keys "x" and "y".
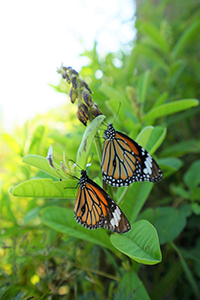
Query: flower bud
{"x": 87, "y": 98}
{"x": 72, "y": 95}
{"x": 84, "y": 84}
{"x": 95, "y": 111}
{"x": 74, "y": 83}
{"x": 83, "y": 113}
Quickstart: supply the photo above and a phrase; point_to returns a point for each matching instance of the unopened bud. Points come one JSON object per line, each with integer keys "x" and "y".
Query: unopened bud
{"x": 95, "y": 111}
{"x": 87, "y": 98}
{"x": 74, "y": 83}
{"x": 72, "y": 95}
{"x": 83, "y": 113}
{"x": 84, "y": 84}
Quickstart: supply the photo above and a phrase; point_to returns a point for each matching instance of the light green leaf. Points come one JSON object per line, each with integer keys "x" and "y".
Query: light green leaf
{"x": 11, "y": 142}
{"x": 143, "y": 86}
{"x": 153, "y": 33}
{"x": 62, "y": 220}
{"x": 151, "y": 138}
{"x": 161, "y": 99}
{"x": 131, "y": 287}
{"x": 140, "y": 243}
{"x": 111, "y": 92}
{"x": 86, "y": 143}
{"x": 170, "y": 108}
{"x": 46, "y": 188}
{"x": 42, "y": 163}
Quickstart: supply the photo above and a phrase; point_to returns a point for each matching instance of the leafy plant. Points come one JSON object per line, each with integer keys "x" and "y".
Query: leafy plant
{"x": 45, "y": 253}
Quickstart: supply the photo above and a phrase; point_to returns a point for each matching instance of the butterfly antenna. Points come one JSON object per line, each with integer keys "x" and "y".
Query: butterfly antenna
{"x": 75, "y": 164}
{"x": 116, "y": 116}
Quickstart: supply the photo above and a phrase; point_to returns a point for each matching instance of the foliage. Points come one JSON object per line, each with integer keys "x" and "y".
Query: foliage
{"x": 158, "y": 87}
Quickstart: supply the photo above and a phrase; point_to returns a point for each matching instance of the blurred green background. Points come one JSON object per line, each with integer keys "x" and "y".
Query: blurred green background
{"x": 161, "y": 68}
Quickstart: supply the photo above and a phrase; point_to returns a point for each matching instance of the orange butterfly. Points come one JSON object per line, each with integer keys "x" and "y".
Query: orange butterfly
{"x": 124, "y": 161}
{"x": 94, "y": 208}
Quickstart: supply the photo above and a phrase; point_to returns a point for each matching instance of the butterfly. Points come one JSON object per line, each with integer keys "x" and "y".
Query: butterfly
{"x": 94, "y": 208}
{"x": 124, "y": 161}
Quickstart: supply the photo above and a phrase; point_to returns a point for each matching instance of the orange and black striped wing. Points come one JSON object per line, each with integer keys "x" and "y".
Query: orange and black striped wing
{"x": 94, "y": 208}
{"x": 124, "y": 162}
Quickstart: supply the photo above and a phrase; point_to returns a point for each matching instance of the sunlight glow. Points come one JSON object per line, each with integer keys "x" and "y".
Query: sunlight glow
{"x": 39, "y": 35}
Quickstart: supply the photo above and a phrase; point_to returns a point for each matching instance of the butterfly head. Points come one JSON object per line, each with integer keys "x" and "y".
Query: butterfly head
{"x": 109, "y": 133}
{"x": 83, "y": 179}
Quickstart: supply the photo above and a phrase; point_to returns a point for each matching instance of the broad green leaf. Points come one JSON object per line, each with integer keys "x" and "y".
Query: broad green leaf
{"x": 168, "y": 221}
{"x": 170, "y": 108}
{"x": 151, "y": 138}
{"x": 42, "y": 163}
{"x": 46, "y": 188}
{"x": 143, "y": 86}
{"x": 140, "y": 243}
{"x": 86, "y": 143}
{"x": 186, "y": 36}
{"x": 63, "y": 220}
{"x": 131, "y": 287}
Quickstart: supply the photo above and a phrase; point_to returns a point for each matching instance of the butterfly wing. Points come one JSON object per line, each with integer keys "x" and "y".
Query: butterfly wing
{"x": 124, "y": 162}
{"x": 94, "y": 208}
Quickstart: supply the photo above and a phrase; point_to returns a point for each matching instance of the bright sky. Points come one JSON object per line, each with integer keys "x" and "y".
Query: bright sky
{"x": 37, "y": 36}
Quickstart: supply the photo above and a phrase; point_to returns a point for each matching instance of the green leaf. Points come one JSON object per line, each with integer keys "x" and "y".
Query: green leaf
{"x": 161, "y": 99}
{"x": 149, "y": 53}
{"x": 182, "y": 148}
{"x": 46, "y": 188}
{"x": 136, "y": 196}
{"x": 11, "y": 142}
{"x": 131, "y": 287}
{"x": 111, "y": 92}
{"x": 86, "y": 143}
{"x": 168, "y": 221}
{"x": 153, "y": 33}
{"x": 170, "y": 165}
{"x": 180, "y": 191}
{"x": 37, "y": 139}
{"x": 140, "y": 243}
{"x": 194, "y": 254}
{"x": 170, "y": 108}
{"x": 143, "y": 86}
{"x": 151, "y": 138}
{"x": 195, "y": 208}
{"x": 42, "y": 163}
{"x": 192, "y": 176}
{"x": 63, "y": 221}
{"x": 186, "y": 36}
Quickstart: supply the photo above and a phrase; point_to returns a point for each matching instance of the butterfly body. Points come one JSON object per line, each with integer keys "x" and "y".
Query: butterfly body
{"x": 94, "y": 208}
{"x": 124, "y": 161}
